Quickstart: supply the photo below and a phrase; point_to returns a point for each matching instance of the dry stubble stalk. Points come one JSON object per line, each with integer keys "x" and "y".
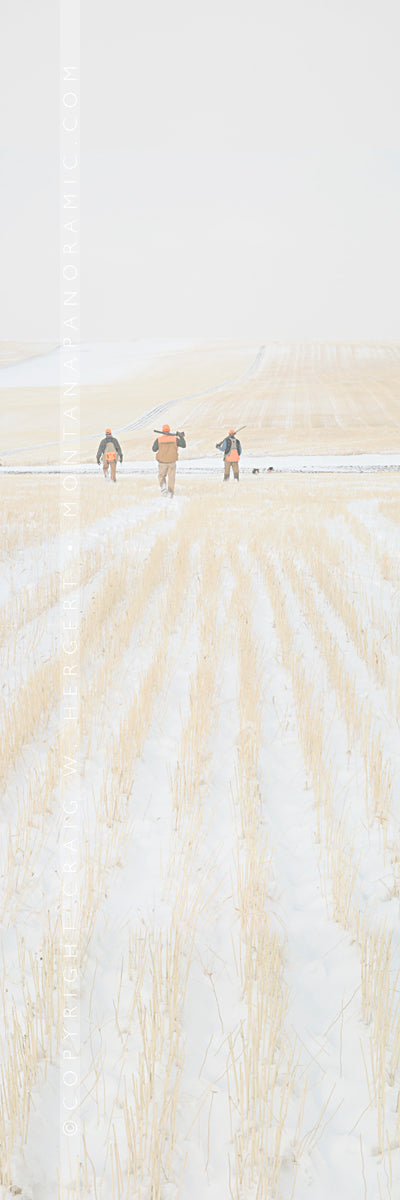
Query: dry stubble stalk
{"x": 150, "y": 1121}
{"x": 46, "y": 1018}
{"x": 358, "y": 714}
{"x": 33, "y": 1035}
{"x": 151, "y": 1095}
{"x": 36, "y": 599}
{"x": 259, "y": 1096}
{"x": 378, "y": 988}
{"x": 327, "y": 562}
{"x": 113, "y": 630}
{"x": 112, "y": 822}
{"x": 45, "y": 990}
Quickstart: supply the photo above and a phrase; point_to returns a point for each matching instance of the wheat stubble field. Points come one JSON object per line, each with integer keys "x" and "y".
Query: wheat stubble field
{"x": 200, "y": 839}
{"x": 293, "y": 398}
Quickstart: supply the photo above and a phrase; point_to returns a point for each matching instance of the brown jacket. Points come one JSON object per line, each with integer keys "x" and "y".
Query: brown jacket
{"x": 167, "y": 447}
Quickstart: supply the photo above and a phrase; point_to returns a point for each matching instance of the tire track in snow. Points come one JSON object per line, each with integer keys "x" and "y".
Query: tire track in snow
{"x": 152, "y": 413}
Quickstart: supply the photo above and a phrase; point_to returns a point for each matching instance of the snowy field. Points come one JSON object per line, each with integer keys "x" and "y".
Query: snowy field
{"x": 306, "y": 399}
{"x": 99, "y": 362}
{"x": 212, "y": 465}
{"x": 200, "y": 838}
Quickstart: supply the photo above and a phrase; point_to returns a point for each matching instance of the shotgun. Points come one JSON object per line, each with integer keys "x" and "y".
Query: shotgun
{"x": 231, "y": 435}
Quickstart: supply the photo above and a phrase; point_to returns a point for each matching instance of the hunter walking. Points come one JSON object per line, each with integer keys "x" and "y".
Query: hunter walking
{"x": 231, "y": 450}
{"x": 109, "y": 449}
{"x": 165, "y": 448}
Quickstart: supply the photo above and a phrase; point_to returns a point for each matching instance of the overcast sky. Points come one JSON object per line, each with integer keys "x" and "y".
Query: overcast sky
{"x": 240, "y": 169}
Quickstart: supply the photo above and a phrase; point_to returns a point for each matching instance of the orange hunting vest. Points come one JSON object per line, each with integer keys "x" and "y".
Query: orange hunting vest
{"x": 233, "y": 455}
{"x": 167, "y": 449}
{"x": 110, "y": 452}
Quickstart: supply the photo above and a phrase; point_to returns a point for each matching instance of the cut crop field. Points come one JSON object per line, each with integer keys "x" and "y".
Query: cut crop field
{"x": 308, "y": 398}
{"x": 200, "y": 839}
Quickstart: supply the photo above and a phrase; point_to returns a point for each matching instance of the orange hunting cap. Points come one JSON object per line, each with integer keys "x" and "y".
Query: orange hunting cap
{"x": 231, "y": 431}
{"x": 108, "y": 430}
{"x": 166, "y": 428}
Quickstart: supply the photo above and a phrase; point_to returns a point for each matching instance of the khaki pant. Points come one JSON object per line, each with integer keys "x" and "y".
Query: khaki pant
{"x": 113, "y": 468}
{"x": 227, "y": 468}
{"x": 164, "y": 470}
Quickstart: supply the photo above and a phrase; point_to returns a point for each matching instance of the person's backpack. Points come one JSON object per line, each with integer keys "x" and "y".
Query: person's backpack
{"x": 110, "y": 452}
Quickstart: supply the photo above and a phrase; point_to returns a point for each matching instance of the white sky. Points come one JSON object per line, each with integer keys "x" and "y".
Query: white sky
{"x": 240, "y": 169}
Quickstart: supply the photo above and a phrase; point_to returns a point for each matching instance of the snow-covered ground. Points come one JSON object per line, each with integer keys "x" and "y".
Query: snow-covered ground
{"x": 214, "y": 464}
{"x": 294, "y": 400}
{"x": 96, "y": 363}
{"x": 221, "y": 1016}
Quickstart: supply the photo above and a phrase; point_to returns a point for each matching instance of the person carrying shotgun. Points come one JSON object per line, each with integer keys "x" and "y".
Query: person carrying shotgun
{"x": 232, "y": 450}
{"x": 165, "y": 448}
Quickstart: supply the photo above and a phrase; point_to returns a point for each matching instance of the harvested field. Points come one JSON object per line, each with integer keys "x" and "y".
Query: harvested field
{"x": 200, "y": 839}
{"x": 307, "y": 398}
